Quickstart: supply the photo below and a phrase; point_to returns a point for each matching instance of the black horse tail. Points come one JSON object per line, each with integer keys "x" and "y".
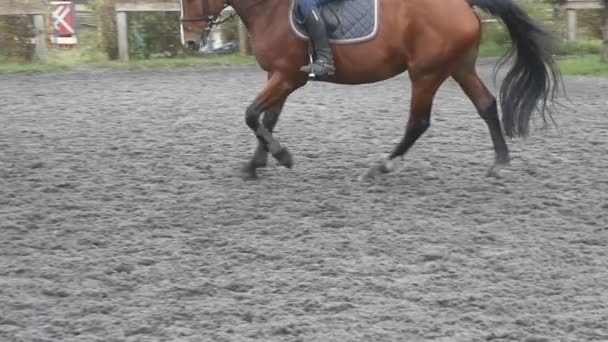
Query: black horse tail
{"x": 534, "y": 79}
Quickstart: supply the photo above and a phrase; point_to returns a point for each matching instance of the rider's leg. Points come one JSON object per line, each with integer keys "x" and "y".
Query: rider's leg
{"x": 315, "y": 26}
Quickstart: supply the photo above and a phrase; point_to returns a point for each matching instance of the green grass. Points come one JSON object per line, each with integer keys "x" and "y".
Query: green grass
{"x": 58, "y": 59}
{"x": 20, "y": 68}
{"x": 176, "y": 62}
{"x": 575, "y": 58}
{"x": 70, "y": 58}
{"x": 582, "y": 47}
{"x": 587, "y": 65}
{"x": 491, "y": 49}
{"x": 584, "y": 65}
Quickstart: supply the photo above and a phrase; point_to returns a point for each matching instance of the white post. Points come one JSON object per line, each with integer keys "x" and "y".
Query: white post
{"x": 123, "y": 39}
{"x": 571, "y": 24}
{"x": 40, "y": 38}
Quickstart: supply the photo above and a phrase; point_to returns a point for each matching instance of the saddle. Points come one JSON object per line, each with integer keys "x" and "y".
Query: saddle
{"x": 347, "y": 21}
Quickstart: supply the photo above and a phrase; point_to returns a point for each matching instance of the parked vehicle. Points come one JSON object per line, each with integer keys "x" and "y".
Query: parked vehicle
{"x": 229, "y": 47}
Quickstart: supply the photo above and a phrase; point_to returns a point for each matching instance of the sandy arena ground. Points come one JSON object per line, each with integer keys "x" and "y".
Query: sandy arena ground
{"x": 123, "y": 216}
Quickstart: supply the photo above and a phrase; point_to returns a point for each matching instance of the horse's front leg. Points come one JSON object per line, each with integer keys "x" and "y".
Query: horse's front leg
{"x": 270, "y": 102}
{"x": 269, "y": 120}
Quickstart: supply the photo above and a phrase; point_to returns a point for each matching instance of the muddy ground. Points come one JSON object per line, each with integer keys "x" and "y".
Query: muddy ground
{"x": 123, "y": 216}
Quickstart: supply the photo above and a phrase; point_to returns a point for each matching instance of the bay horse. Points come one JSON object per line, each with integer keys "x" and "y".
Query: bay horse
{"x": 430, "y": 39}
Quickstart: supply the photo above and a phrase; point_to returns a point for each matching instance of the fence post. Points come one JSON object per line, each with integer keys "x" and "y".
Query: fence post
{"x": 123, "y": 39}
{"x": 571, "y": 13}
{"x": 41, "y": 49}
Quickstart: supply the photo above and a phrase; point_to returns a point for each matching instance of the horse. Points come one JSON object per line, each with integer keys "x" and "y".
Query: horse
{"x": 430, "y": 39}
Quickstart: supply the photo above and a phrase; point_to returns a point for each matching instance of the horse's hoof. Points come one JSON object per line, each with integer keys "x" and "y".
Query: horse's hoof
{"x": 249, "y": 171}
{"x": 284, "y": 158}
{"x": 259, "y": 163}
{"x": 368, "y": 175}
{"x": 494, "y": 171}
{"x": 378, "y": 169}
{"x": 259, "y": 160}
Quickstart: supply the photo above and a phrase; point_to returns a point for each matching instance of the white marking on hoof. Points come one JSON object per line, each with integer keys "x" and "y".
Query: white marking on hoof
{"x": 382, "y": 167}
{"x": 494, "y": 171}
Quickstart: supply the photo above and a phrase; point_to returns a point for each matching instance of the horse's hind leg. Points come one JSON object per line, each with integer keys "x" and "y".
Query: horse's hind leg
{"x": 424, "y": 88}
{"x": 486, "y": 106}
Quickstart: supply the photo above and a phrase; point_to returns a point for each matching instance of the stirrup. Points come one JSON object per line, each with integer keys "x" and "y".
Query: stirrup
{"x": 331, "y": 68}
{"x": 311, "y": 74}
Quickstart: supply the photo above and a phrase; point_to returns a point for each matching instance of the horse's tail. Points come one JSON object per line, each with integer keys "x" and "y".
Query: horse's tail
{"x": 533, "y": 81}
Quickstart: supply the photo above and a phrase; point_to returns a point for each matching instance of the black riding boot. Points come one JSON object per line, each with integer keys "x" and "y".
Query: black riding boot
{"x": 324, "y": 62}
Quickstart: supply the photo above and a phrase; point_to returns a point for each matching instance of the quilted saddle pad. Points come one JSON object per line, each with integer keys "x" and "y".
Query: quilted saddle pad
{"x": 348, "y": 21}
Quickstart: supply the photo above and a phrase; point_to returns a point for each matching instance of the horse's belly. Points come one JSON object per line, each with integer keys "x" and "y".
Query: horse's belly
{"x": 367, "y": 64}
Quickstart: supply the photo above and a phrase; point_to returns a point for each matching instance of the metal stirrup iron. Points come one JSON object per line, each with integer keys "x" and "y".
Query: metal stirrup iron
{"x": 311, "y": 74}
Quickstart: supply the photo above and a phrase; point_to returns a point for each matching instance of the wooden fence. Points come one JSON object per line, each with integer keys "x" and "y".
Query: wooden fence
{"x": 125, "y": 6}
{"x": 571, "y": 7}
{"x": 37, "y": 11}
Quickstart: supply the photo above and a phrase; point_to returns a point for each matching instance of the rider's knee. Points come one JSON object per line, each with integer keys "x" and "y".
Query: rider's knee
{"x": 306, "y": 6}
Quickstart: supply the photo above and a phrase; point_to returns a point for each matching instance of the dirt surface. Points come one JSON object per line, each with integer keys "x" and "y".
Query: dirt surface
{"x": 123, "y": 216}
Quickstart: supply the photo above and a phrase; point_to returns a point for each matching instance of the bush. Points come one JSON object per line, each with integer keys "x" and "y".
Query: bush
{"x": 89, "y": 46}
{"x": 581, "y": 47}
{"x": 539, "y": 10}
{"x": 106, "y": 24}
{"x": 589, "y": 23}
{"x": 153, "y": 32}
{"x": 230, "y": 30}
{"x": 16, "y": 33}
{"x": 495, "y": 33}
{"x": 496, "y": 39}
